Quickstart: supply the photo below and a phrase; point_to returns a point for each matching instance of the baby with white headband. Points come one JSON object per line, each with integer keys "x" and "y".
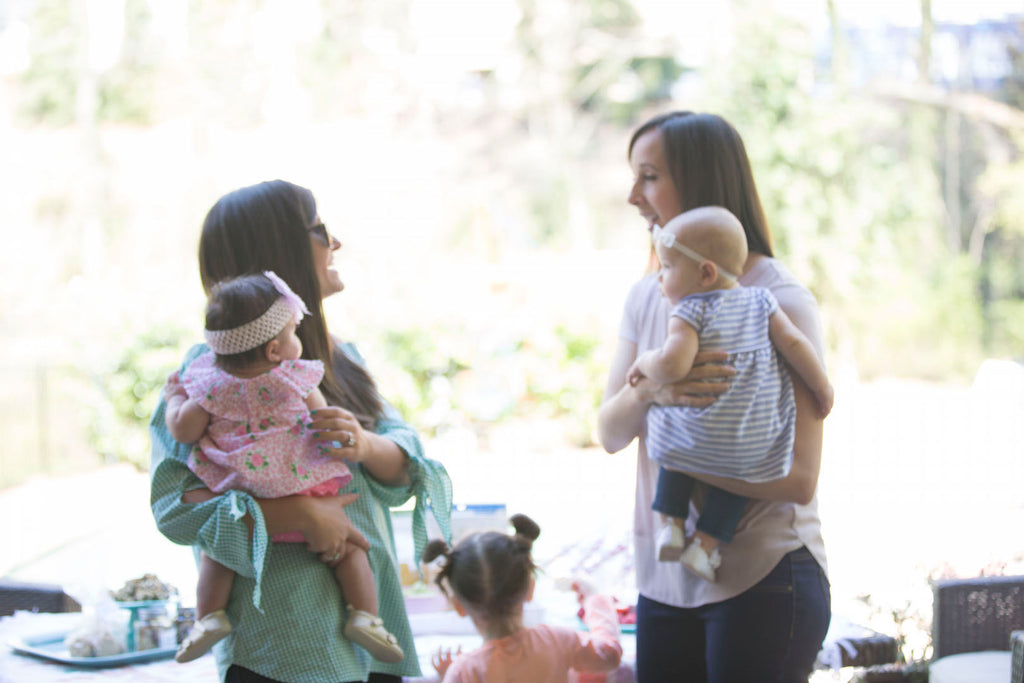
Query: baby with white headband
{"x": 246, "y": 408}
{"x": 748, "y": 432}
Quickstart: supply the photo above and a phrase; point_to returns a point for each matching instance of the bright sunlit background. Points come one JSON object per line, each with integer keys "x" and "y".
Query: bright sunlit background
{"x": 471, "y": 156}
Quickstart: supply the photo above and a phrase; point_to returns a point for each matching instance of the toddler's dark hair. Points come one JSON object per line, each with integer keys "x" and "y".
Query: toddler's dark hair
{"x": 489, "y": 572}
{"x": 233, "y": 303}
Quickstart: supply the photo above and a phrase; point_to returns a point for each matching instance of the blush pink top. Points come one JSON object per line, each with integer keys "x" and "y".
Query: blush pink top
{"x": 259, "y": 439}
{"x": 546, "y": 654}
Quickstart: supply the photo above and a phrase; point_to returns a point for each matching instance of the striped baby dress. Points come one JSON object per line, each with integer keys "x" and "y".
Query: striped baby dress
{"x": 748, "y": 432}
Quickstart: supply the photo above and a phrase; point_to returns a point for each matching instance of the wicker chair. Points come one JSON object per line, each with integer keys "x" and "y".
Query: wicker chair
{"x": 974, "y": 624}
{"x": 34, "y": 597}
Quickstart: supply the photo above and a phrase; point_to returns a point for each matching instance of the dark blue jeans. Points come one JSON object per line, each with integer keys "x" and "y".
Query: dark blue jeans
{"x": 719, "y": 515}
{"x": 769, "y": 634}
{"x": 237, "y": 674}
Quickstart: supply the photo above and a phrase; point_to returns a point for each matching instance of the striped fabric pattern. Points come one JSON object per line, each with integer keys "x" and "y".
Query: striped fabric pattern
{"x": 748, "y": 432}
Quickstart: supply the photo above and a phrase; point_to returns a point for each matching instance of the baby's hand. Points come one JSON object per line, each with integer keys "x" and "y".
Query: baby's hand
{"x": 442, "y": 659}
{"x": 634, "y": 375}
{"x": 173, "y": 386}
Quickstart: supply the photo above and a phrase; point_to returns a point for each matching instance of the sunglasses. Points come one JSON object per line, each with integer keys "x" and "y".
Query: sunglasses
{"x": 320, "y": 232}
{"x": 668, "y": 240}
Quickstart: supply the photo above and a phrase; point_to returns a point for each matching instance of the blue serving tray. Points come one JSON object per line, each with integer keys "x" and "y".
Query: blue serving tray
{"x": 51, "y": 646}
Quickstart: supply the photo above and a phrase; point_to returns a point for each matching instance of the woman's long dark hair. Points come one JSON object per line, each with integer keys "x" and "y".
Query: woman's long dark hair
{"x": 710, "y": 167}
{"x": 265, "y": 227}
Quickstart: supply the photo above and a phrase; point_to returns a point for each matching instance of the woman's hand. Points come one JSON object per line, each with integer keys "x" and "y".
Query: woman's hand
{"x": 326, "y": 527}
{"x": 624, "y": 409}
{"x": 381, "y": 456}
{"x": 706, "y": 381}
{"x": 336, "y": 425}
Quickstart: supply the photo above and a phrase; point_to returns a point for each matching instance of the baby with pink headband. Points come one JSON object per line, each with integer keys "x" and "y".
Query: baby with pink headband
{"x": 245, "y": 407}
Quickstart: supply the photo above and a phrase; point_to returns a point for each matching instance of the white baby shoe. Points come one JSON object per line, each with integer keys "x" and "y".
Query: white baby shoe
{"x": 368, "y": 632}
{"x": 204, "y": 634}
{"x": 670, "y": 543}
{"x": 700, "y": 562}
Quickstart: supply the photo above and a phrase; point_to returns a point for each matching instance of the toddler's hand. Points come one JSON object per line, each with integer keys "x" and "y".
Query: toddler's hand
{"x": 579, "y": 584}
{"x": 442, "y": 659}
{"x": 584, "y": 588}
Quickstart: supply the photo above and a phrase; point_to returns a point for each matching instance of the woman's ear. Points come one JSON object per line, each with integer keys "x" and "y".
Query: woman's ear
{"x": 459, "y": 609}
{"x": 529, "y": 591}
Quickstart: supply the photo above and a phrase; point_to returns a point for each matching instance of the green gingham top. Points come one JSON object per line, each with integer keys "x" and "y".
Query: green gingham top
{"x": 285, "y": 606}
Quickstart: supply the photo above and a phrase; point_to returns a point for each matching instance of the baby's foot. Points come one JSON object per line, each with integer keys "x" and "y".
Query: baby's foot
{"x": 700, "y": 562}
{"x": 204, "y": 634}
{"x": 670, "y": 543}
{"x": 368, "y": 632}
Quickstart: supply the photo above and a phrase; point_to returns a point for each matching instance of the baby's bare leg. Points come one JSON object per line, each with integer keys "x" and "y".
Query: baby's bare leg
{"x": 362, "y": 625}
{"x": 214, "y": 588}
{"x": 211, "y": 625}
{"x": 355, "y": 577}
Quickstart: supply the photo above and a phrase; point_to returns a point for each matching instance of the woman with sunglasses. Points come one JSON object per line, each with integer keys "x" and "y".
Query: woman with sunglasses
{"x": 766, "y": 615}
{"x": 285, "y": 606}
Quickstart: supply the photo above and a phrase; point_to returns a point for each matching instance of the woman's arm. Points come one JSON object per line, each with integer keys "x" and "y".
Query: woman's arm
{"x": 320, "y": 519}
{"x": 802, "y": 481}
{"x": 381, "y": 456}
{"x": 625, "y": 407}
{"x": 386, "y": 462}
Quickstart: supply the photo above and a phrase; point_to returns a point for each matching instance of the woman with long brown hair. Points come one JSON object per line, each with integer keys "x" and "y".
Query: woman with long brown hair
{"x": 285, "y": 606}
{"x": 766, "y": 615}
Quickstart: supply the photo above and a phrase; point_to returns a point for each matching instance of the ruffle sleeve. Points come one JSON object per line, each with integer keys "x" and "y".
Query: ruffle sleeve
{"x": 235, "y": 398}
{"x": 431, "y": 486}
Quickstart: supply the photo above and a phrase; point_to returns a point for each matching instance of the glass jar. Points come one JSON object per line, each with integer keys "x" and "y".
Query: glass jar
{"x": 184, "y": 623}
{"x": 152, "y": 626}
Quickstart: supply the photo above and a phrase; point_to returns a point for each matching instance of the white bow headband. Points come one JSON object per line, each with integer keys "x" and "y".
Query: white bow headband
{"x": 289, "y": 306}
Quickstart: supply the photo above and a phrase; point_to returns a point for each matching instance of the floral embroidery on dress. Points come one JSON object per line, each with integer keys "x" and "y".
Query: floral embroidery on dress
{"x": 300, "y": 471}
{"x": 259, "y": 437}
{"x": 256, "y": 461}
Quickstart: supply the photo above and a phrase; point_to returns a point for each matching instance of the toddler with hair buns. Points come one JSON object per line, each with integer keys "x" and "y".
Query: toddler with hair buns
{"x": 246, "y": 407}
{"x": 488, "y": 576}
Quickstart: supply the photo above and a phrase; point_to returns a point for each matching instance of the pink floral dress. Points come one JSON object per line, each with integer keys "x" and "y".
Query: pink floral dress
{"x": 259, "y": 439}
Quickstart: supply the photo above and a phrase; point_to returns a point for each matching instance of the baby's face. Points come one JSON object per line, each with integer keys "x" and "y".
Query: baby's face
{"x": 290, "y": 346}
{"x": 679, "y": 276}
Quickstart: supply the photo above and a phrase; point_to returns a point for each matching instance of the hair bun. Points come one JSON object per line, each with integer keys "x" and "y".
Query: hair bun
{"x": 525, "y": 527}
{"x": 435, "y": 549}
